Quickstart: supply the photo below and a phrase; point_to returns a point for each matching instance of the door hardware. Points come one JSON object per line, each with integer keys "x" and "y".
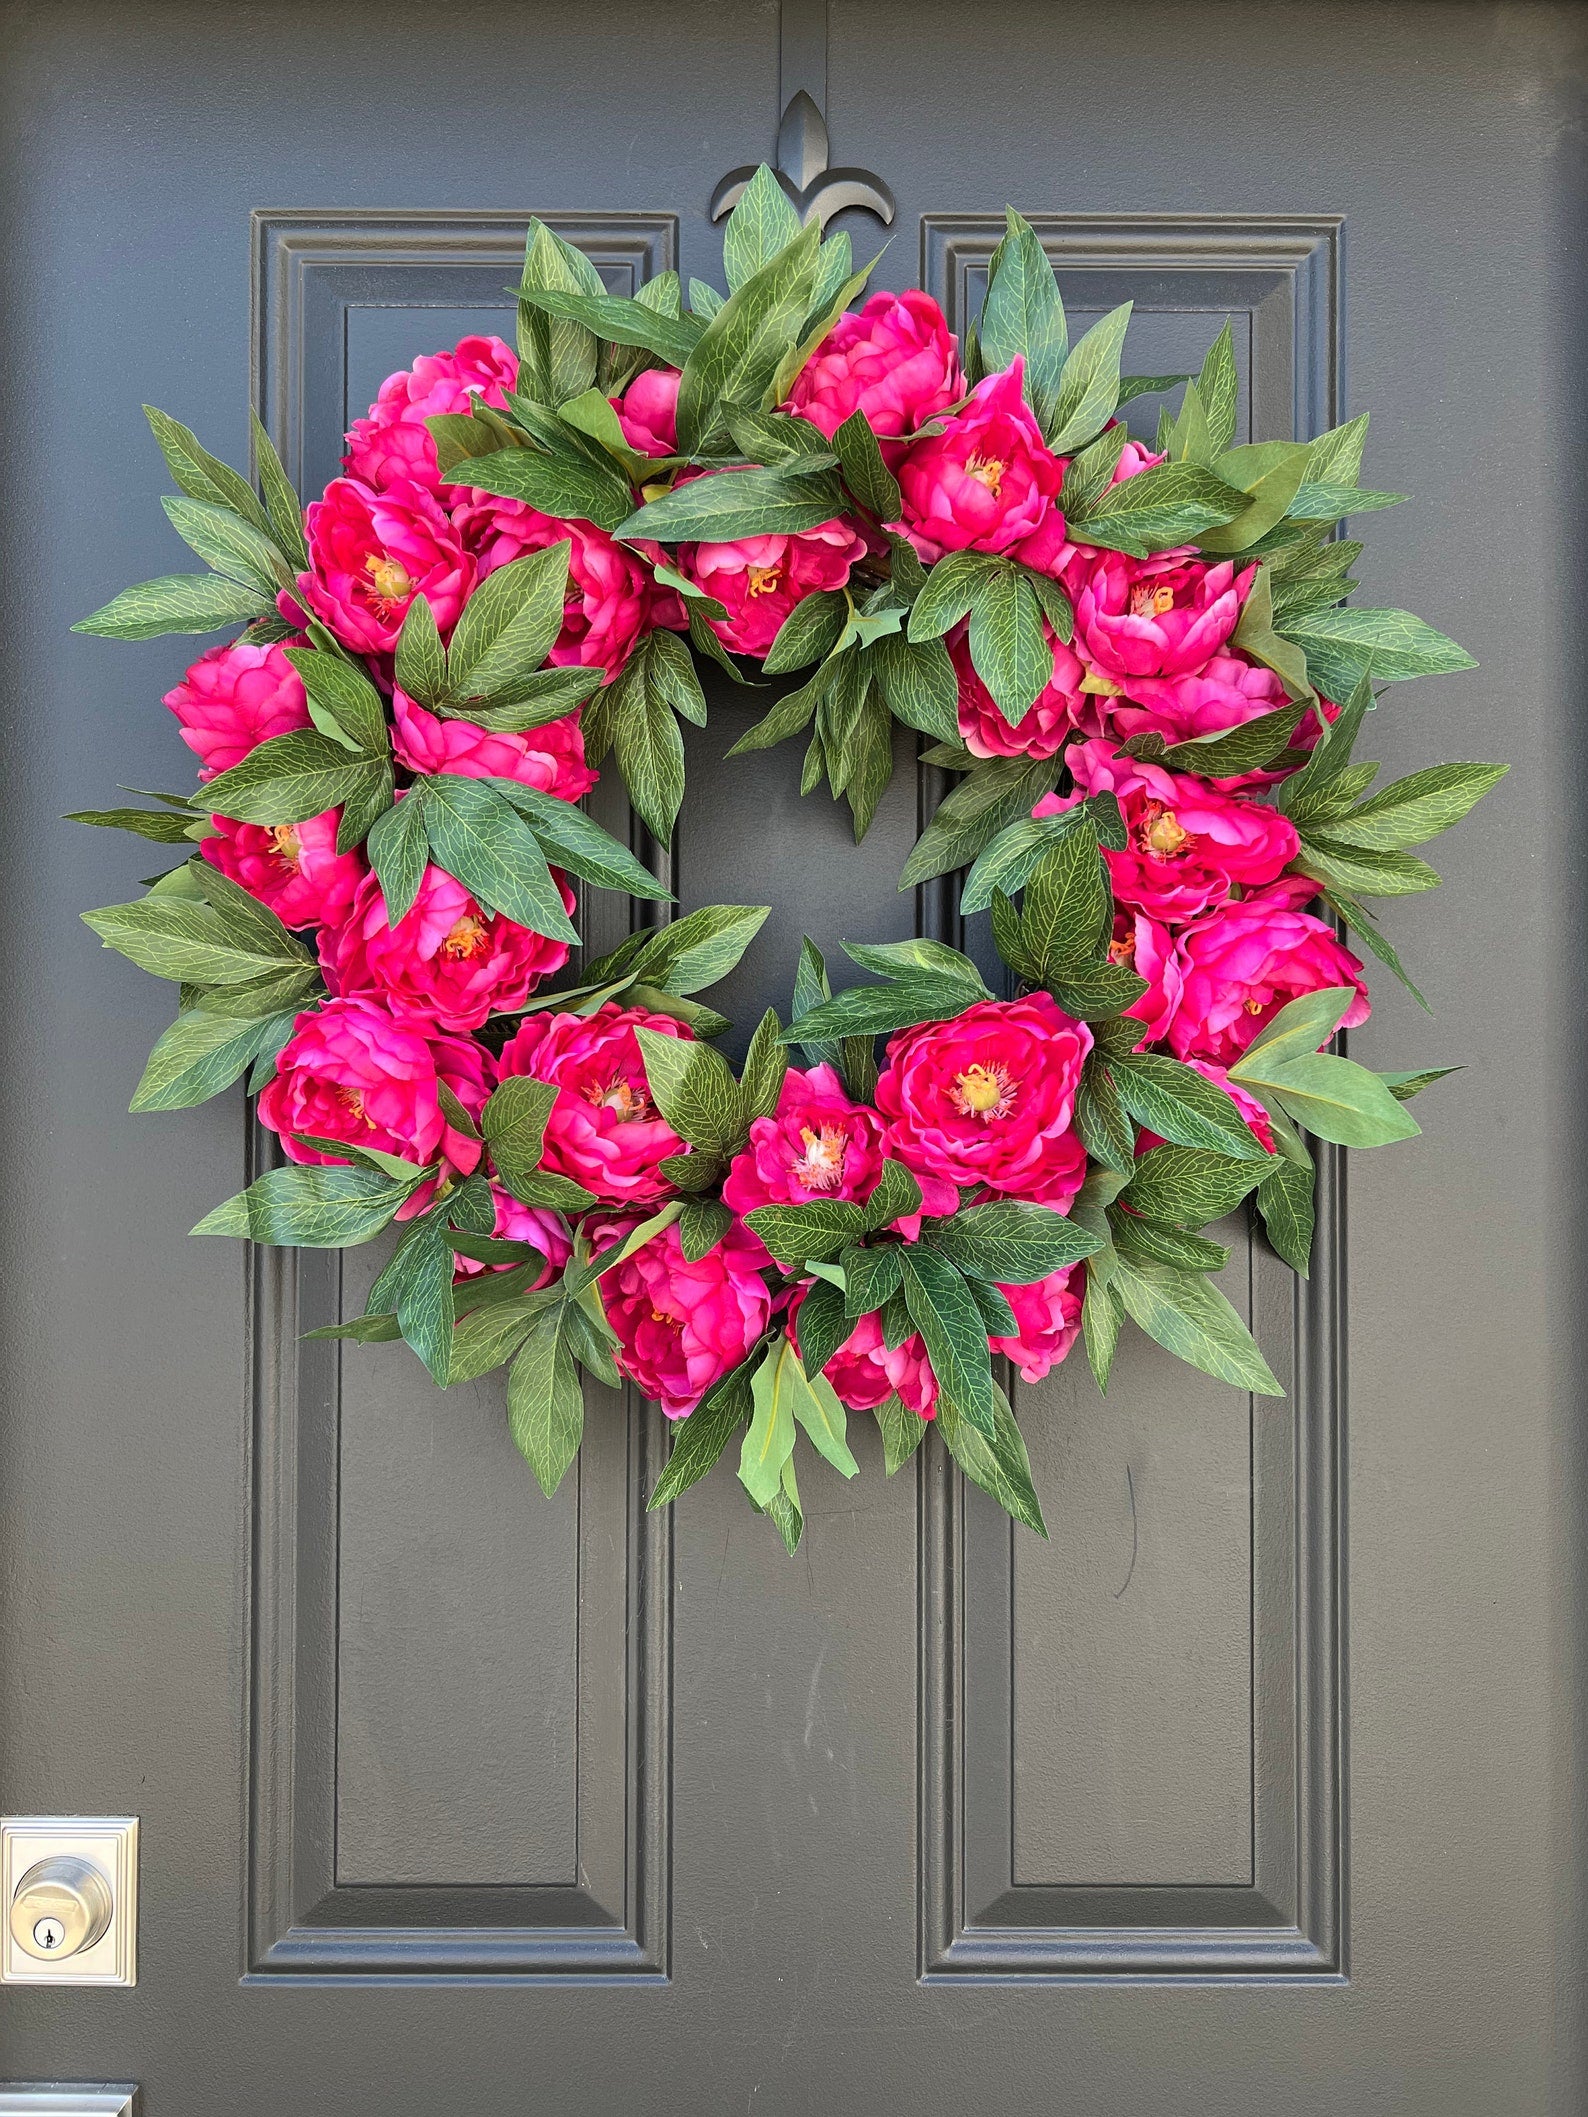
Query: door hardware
{"x": 70, "y": 1889}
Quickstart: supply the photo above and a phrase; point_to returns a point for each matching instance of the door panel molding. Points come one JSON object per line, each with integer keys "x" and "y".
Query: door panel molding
{"x": 609, "y": 1916}
{"x": 1280, "y": 277}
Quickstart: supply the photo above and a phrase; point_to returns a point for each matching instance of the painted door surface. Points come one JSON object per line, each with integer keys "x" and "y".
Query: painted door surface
{"x": 1250, "y": 1792}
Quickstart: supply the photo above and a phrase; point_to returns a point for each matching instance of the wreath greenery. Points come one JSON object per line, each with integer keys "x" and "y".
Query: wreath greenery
{"x": 1139, "y": 663}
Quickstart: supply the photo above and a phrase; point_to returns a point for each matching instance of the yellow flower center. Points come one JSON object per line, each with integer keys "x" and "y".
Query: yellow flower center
{"x": 621, "y": 1096}
{"x": 986, "y": 470}
{"x": 765, "y": 580}
{"x": 984, "y": 1091}
{"x": 1148, "y": 601}
{"x": 352, "y": 1102}
{"x": 390, "y": 581}
{"x": 285, "y": 843}
{"x": 1123, "y": 951}
{"x": 466, "y": 939}
{"x": 821, "y": 1166}
{"x": 1163, "y": 834}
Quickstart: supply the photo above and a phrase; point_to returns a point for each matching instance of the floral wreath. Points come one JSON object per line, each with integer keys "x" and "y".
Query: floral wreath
{"x": 1139, "y": 662}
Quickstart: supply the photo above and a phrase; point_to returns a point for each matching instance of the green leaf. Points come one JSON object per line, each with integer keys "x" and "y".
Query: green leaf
{"x": 204, "y": 477}
{"x": 765, "y": 1068}
{"x": 331, "y": 1208}
{"x": 1335, "y": 1099}
{"x": 1091, "y": 469}
{"x": 421, "y": 664}
{"x": 1173, "y": 503}
{"x": 480, "y": 838}
{"x": 783, "y": 1509}
{"x": 808, "y": 634}
{"x": 1097, "y": 992}
{"x": 1008, "y": 646}
{"x": 1089, "y": 385}
{"x": 1341, "y": 866}
{"x": 796, "y": 1233}
{"x": 1183, "y": 1106}
{"x": 1005, "y": 865}
{"x": 1023, "y": 318}
{"x": 770, "y": 1440}
{"x": 417, "y": 1286}
{"x": 341, "y": 694}
{"x": 514, "y": 1124}
{"x": 509, "y": 625}
{"x": 174, "y": 937}
{"x": 903, "y": 959}
{"x": 974, "y": 812}
{"x": 701, "y": 1226}
{"x": 545, "y": 1404}
{"x": 825, "y": 310}
{"x": 1316, "y": 502}
{"x": 949, "y": 592}
{"x": 1106, "y": 1132}
{"x": 741, "y": 347}
{"x": 1418, "y": 807}
{"x": 865, "y": 473}
{"x": 559, "y": 356}
{"x": 1102, "y": 1319}
{"x": 871, "y": 1010}
{"x": 694, "y": 1090}
{"x": 198, "y": 1056}
{"x": 365, "y": 802}
{"x": 282, "y": 510}
{"x": 399, "y": 851}
{"x": 950, "y": 1323}
{"x": 1151, "y": 1242}
{"x": 163, "y": 826}
{"x": 1337, "y": 455}
{"x": 290, "y": 778}
{"x": 1270, "y": 472}
{"x": 1218, "y": 386}
{"x": 995, "y": 1460}
{"x": 1247, "y": 748}
{"x": 1285, "y": 1200}
{"x": 1189, "y": 1186}
{"x": 694, "y": 952}
{"x": 1190, "y": 1318}
{"x": 1300, "y": 1028}
{"x": 872, "y": 1277}
{"x": 620, "y": 321}
{"x": 648, "y": 746}
{"x": 575, "y": 841}
{"x": 779, "y": 438}
{"x": 902, "y": 1433}
{"x": 176, "y": 602}
{"x": 1255, "y": 635}
{"x": 1340, "y": 643}
{"x": 815, "y": 1406}
{"x": 699, "y": 1440}
{"x": 1132, "y": 386}
{"x": 569, "y": 487}
{"x": 1403, "y": 1086}
{"x": 760, "y": 225}
{"x": 738, "y": 503}
{"x": 230, "y": 546}
{"x": 1069, "y": 906}
{"x": 1358, "y": 921}
{"x": 917, "y": 684}
{"x": 1009, "y": 1242}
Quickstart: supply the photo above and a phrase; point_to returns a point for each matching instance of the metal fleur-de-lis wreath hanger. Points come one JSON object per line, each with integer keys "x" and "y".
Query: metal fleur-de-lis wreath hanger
{"x": 816, "y": 191}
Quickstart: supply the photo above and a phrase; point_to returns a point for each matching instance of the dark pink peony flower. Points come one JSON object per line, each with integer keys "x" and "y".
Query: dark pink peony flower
{"x": 1044, "y": 728}
{"x": 758, "y": 580}
{"x": 986, "y": 482}
{"x": 295, "y": 868}
{"x": 610, "y": 590}
{"x": 1241, "y": 963}
{"x": 393, "y": 445}
{"x": 648, "y": 412}
{"x": 1049, "y": 1315}
{"x": 819, "y": 1145}
{"x": 989, "y": 1098}
{"x": 541, "y": 1229}
{"x": 894, "y": 359}
{"x": 1163, "y": 616}
{"x": 1146, "y": 947}
{"x": 604, "y": 1130}
{"x": 234, "y": 698}
{"x": 371, "y": 553}
{"x": 1190, "y": 842}
{"x": 1226, "y": 694}
{"x": 354, "y": 1071}
{"x": 680, "y": 1325}
{"x": 549, "y": 758}
{"x": 865, "y": 1372}
{"x": 1133, "y": 460}
{"x": 445, "y": 961}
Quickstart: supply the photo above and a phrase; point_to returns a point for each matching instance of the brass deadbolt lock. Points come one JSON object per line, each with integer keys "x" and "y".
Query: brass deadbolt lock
{"x": 60, "y": 1907}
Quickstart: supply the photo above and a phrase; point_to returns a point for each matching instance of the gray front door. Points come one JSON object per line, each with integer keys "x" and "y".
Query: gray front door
{"x": 1252, "y": 1791}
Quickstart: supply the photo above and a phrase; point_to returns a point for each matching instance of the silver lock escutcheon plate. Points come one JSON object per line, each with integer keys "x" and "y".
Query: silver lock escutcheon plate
{"x": 69, "y": 1891}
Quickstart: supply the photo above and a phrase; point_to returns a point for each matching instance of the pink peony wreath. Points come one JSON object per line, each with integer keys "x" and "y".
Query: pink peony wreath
{"x": 1139, "y": 666}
